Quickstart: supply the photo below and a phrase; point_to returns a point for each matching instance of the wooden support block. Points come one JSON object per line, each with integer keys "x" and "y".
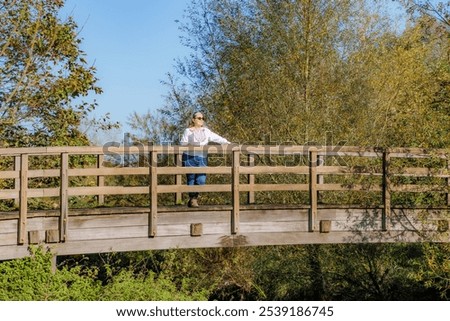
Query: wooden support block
{"x": 196, "y": 229}
{"x": 325, "y": 226}
{"x": 52, "y": 236}
{"x": 34, "y": 237}
{"x": 442, "y": 226}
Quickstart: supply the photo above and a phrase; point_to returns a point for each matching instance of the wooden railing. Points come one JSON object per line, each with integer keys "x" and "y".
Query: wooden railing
{"x": 318, "y": 166}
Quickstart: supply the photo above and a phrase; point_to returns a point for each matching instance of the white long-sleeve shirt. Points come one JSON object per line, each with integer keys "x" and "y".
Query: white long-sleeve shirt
{"x": 200, "y": 137}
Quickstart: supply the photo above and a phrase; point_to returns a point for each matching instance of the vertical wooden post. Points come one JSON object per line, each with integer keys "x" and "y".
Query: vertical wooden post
{"x": 153, "y": 193}
{"x": 178, "y": 178}
{"x": 320, "y": 178}
{"x": 251, "y": 180}
{"x": 100, "y": 179}
{"x": 17, "y": 163}
{"x": 23, "y": 200}
{"x": 235, "y": 192}
{"x": 64, "y": 197}
{"x": 386, "y": 192}
{"x": 54, "y": 263}
{"x": 448, "y": 181}
{"x": 312, "y": 224}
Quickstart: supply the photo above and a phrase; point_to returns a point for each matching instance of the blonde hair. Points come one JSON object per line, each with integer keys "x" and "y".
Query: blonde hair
{"x": 191, "y": 123}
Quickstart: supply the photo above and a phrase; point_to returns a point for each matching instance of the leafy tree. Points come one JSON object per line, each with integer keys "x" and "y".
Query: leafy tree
{"x": 407, "y": 81}
{"x": 276, "y": 64}
{"x": 32, "y": 279}
{"x": 323, "y": 71}
{"x": 375, "y": 272}
{"x": 345, "y": 272}
{"x": 42, "y": 73}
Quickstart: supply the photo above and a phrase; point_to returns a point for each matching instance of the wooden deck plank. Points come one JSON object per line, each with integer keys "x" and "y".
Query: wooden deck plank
{"x": 118, "y": 233}
{"x": 33, "y": 224}
{"x": 8, "y": 239}
{"x": 274, "y": 227}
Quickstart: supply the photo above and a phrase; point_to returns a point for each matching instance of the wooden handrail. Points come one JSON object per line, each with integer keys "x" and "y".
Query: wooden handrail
{"x": 245, "y": 149}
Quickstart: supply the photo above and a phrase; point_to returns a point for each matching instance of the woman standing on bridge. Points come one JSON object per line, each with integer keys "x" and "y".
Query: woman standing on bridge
{"x": 197, "y": 135}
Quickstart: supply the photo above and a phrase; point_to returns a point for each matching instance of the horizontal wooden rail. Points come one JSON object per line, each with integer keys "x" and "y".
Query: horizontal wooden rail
{"x": 245, "y": 149}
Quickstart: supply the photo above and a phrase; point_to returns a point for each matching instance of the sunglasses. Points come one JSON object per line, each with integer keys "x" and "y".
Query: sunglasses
{"x": 200, "y": 118}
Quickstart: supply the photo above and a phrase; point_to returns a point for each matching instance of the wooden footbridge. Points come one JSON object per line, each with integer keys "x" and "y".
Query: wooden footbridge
{"x": 79, "y": 200}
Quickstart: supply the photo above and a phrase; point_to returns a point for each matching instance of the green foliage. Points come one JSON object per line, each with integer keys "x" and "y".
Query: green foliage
{"x": 310, "y": 272}
{"x": 42, "y": 72}
{"x": 126, "y": 286}
{"x": 375, "y": 272}
{"x": 435, "y": 268}
{"x": 224, "y": 273}
{"x": 283, "y": 273}
{"x": 32, "y": 279}
{"x": 343, "y": 272}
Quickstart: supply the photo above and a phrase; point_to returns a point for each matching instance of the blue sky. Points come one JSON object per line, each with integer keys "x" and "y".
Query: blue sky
{"x": 133, "y": 44}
